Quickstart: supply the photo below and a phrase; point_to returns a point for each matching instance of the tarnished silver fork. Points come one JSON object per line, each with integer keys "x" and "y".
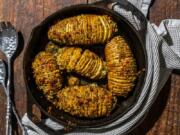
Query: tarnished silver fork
{"x": 3, "y": 83}
{"x": 8, "y": 45}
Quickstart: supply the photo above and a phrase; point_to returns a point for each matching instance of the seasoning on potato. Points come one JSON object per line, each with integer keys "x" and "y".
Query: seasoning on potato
{"x": 96, "y": 94}
{"x": 73, "y": 80}
{"x": 122, "y": 69}
{"x": 86, "y": 101}
{"x": 83, "y": 62}
{"x": 52, "y": 48}
{"x": 85, "y": 29}
{"x": 47, "y": 75}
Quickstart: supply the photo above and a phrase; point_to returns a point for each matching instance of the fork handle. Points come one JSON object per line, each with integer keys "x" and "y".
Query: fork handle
{"x": 8, "y": 118}
{"x": 9, "y": 107}
{"x": 15, "y": 113}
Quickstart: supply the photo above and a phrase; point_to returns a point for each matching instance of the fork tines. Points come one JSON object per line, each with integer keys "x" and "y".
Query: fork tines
{"x": 5, "y": 25}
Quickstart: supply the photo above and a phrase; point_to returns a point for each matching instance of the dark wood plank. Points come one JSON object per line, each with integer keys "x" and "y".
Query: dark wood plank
{"x": 164, "y": 9}
{"x": 92, "y": 1}
{"x": 25, "y": 14}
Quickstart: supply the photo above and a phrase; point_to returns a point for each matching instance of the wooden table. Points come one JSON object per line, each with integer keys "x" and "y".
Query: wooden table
{"x": 164, "y": 116}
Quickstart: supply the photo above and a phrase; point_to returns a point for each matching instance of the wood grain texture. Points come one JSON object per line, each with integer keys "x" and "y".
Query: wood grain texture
{"x": 164, "y": 116}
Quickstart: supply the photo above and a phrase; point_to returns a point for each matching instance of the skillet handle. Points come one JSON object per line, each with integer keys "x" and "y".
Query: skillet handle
{"x": 50, "y": 131}
{"x": 38, "y": 126}
{"x": 34, "y": 119}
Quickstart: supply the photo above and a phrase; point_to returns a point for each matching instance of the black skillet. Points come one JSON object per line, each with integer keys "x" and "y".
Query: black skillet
{"x": 38, "y": 40}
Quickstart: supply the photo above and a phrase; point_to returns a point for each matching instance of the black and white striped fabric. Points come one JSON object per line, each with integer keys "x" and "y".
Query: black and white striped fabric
{"x": 163, "y": 50}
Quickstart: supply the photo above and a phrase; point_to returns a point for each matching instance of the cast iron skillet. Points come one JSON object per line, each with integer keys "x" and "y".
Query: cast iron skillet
{"x": 38, "y": 40}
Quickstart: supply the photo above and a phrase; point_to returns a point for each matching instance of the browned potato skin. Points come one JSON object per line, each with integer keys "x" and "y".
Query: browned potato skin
{"x": 52, "y": 48}
{"x": 83, "y": 62}
{"x": 73, "y": 81}
{"x": 47, "y": 75}
{"x": 85, "y": 29}
{"x": 122, "y": 69}
{"x": 86, "y": 101}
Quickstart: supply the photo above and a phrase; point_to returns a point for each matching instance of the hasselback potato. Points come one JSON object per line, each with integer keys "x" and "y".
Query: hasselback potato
{"x": 122, "y": 69}
{"x": 86, "y": 101}
{"x": 85, "y": 29}
{"x": 47, "y": 75}
{"x": 83, "y": 62}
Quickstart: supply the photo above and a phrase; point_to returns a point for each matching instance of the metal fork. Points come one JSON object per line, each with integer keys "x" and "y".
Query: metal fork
{"x": 8, "y": 45}
{"x": 3, "y": 83}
